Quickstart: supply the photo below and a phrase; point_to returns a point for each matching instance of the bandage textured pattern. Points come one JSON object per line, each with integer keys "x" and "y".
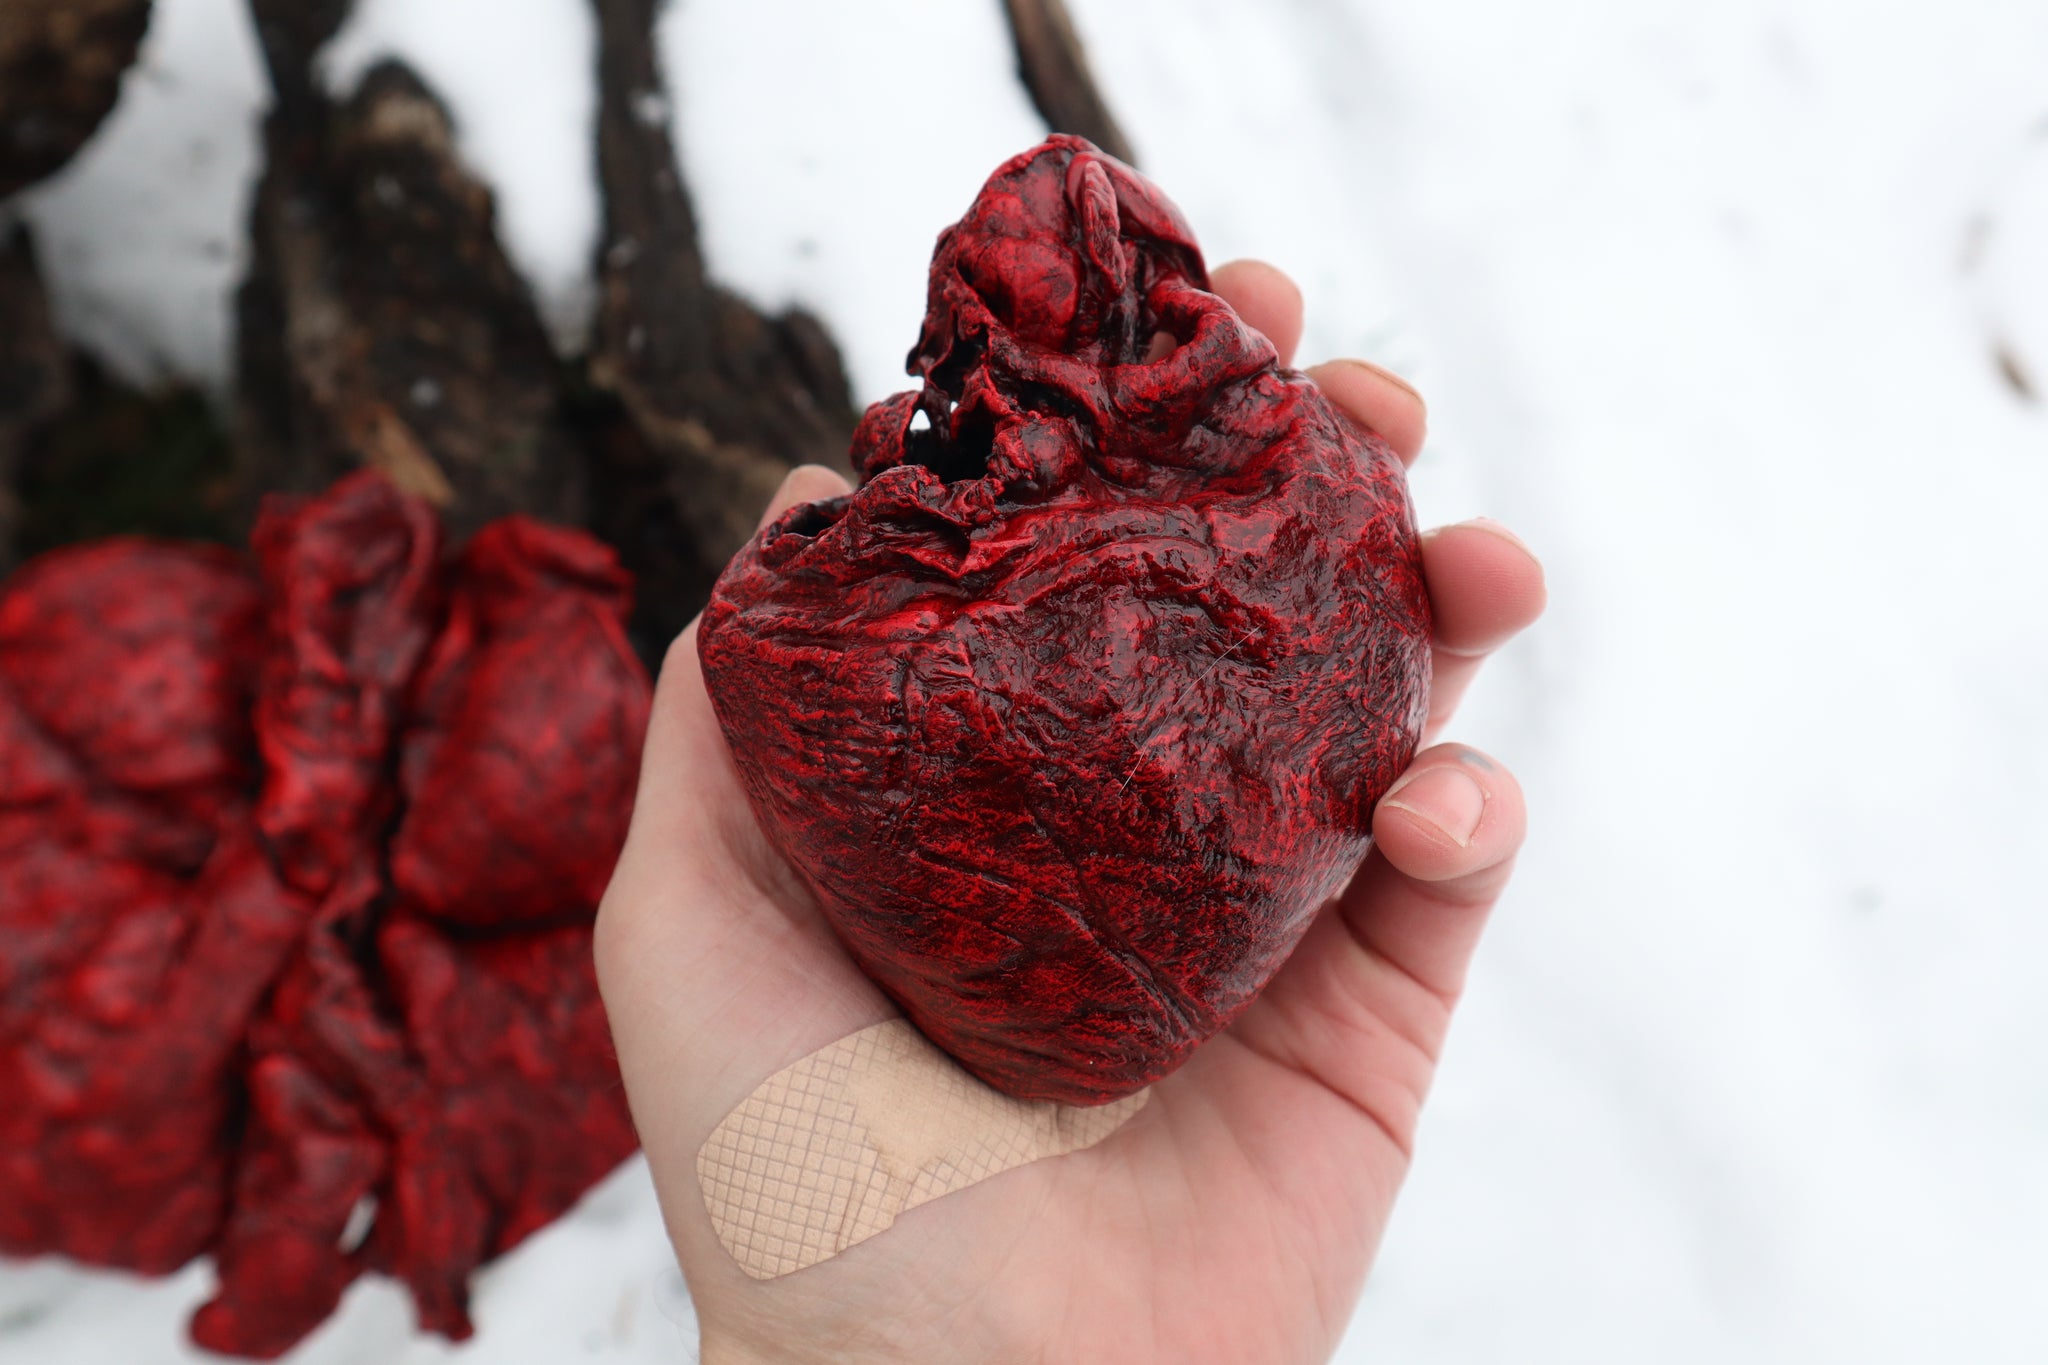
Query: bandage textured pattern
{"x": 831, "y": 1150}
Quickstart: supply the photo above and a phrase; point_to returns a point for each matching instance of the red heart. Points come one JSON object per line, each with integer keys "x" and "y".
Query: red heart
{"x": 1077, "y": 710}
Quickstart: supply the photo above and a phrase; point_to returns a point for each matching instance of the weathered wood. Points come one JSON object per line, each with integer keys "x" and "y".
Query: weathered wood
{"x": 34, "y": 373}
{"x": 716, "y": 400}
{"x": 61, "y": 63}
{"x": 1054, "y": 66}
{"x": 382, "y": 325}
{"x": 84, "y": 455}
{"x": 125, "y": 461}
{"x": 291, "y": 34}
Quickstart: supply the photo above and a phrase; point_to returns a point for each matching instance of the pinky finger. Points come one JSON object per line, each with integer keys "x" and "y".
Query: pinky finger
{"x": 1444, "y": 844}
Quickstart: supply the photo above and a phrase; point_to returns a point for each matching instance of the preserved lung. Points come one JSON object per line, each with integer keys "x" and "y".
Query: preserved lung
{"x": 299, "y": 854}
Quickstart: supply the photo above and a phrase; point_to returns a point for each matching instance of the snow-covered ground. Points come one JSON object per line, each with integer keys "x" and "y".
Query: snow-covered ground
{"x": 1729, "y": 308}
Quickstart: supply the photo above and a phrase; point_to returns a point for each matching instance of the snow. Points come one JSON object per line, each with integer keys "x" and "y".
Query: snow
{"x": 141, "y": 235}
{"x": 1709, "y": 302}
{"x": 521, "y": 87}
{"x": 600, "y": 1285}
{"x": 832, "y": 198}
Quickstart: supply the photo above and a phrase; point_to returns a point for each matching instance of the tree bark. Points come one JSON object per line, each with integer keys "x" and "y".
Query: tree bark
{"x": 34, "y": 374}
{"x": 1054, "y": 66}
{"x": 381, "y": 324}
{"x": 61, "y": 63}
{"x": 291, "y": 34}
{"x": 717, "y": 401}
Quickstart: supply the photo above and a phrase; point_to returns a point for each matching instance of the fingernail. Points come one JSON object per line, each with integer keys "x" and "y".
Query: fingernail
{"x": 1494, "y": 528}
{"x": 1444, "y": 796}
{"x": 1384, "y": 374}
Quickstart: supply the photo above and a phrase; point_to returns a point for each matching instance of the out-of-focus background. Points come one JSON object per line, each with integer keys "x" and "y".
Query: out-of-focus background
{"x": 1739, "y": 313}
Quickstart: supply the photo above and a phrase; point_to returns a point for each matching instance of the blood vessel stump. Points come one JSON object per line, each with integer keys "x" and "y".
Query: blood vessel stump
{"x": 1077, "y": 709}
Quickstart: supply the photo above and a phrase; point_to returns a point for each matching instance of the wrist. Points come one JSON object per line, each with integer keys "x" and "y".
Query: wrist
{"x": 719, "y": 1351}
{"x": 717, "y": 1348}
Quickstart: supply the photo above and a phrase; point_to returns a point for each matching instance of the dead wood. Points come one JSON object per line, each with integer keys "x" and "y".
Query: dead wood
{"x": 1054, "y": 66}
{"x": 717, "y": 400}
{"x": 61, "y": 63}
{"x": 84, "y": 455}
{"x": 382, "y": 325}
{"x": 34, "y": 373}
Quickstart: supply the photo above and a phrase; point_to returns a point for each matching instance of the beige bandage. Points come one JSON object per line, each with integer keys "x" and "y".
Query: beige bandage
{"x": 829, "y": 1150}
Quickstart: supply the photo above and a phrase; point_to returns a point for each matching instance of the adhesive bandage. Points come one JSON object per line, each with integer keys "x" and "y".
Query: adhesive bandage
{"x": 829, "y": 1150}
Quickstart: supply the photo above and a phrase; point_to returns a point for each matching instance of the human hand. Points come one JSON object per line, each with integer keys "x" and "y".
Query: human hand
{"x": 1234, "y": 1218}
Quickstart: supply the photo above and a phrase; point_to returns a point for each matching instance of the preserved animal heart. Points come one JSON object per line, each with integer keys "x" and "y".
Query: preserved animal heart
{"x": 1076, "y": 710}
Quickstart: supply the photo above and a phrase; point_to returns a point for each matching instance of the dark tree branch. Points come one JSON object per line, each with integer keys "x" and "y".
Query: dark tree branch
{"x": 34, "y": 372}
{"x": 718, "y": 400}
{"x": 382, "y": 324}
{"x": 61, "y": 63}
{"x": 291, "y": 34}
{"x": 1054, "y": 66}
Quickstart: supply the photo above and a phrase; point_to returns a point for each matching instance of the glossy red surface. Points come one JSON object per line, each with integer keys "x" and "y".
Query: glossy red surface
{"x": 137, "y": 928}
{"x": 1076, "y": 710}
{"x": 297, "y": 869}
{"x": 517, "y": 801}
{"x": 354, "y": 580}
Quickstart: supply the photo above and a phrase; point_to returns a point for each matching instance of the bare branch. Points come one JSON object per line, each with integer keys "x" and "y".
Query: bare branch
{"x": 1054, "y": 66}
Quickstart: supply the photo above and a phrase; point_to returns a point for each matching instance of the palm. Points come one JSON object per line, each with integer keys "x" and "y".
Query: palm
{"x": 1188, "y": 1236}
{"x": 1232, "y": 1220}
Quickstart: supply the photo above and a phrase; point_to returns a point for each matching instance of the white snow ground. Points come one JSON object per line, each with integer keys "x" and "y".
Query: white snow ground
{"x": 1710, "y": 303}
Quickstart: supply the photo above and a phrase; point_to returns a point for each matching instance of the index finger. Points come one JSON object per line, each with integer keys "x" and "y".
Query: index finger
{"x": 1378, "y": 399}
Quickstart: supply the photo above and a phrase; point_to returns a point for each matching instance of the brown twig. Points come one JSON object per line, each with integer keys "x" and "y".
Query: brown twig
{"x": 291, "y": 34}
{"x": 34, "y": 371}
{"x": 2014, "y": 372}
{"x": 719, "y": 400}
{"x": 60, "y": 71}
{"x": 381, "y": 323}
{"x": 1054, "y": 66}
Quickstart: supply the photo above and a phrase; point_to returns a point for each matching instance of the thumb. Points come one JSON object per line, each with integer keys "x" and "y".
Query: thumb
{"x": 805, "y": 483}
{"x": 715, "y": 964}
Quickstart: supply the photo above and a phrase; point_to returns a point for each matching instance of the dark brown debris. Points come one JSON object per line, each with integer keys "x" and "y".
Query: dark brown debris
{"x": 60, "y": 70}
{"x": 382, "y": 324}
{"x": 1054, "y": 66}
{"x": 127, "y": 461}
{"x": 291, "y": 34}
{"x": 2014, "y": 372}
{"x": 717, "y": 400}
{"x": 34, "y": 373}
{"x": 82, "y": 454}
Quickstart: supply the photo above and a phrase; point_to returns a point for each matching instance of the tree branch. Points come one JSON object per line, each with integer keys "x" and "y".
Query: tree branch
{"x": 1054, "y": 66}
